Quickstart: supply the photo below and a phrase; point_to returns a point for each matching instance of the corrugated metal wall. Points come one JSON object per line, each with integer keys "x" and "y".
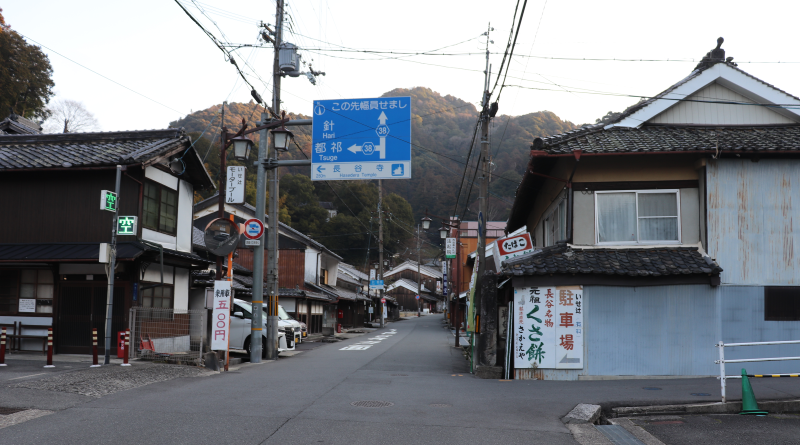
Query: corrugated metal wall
{"x": 656, "y": 330}
{"x": 743, "y": 322}
{"x": 750, "y": 220}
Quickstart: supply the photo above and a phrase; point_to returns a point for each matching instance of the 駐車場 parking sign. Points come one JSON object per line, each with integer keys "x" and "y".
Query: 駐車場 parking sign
{"x": 361, "y": 139}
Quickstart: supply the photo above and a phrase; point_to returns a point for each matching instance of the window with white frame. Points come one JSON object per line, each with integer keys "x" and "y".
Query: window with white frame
{"x": 555, "y": 225}
{"x": 638, "y": 217}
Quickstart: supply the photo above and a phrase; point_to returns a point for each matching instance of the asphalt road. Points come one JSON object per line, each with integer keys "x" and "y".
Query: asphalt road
{"x": 308, "y": 398}
{"x": 728, "y": 429}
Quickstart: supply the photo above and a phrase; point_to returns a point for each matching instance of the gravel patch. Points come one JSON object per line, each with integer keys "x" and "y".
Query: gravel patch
{"x": 99, "y": 382}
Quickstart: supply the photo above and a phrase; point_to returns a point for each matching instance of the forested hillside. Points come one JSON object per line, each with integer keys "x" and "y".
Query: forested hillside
{"x": 442, "y": 129}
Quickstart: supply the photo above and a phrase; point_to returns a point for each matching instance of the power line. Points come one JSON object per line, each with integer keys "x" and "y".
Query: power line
{"x": 513, "y": 46}
{"x": 101, "y": 75}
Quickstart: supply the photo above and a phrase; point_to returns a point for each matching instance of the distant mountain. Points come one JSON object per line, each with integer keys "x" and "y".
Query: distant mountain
{"x": 442, "y": 128}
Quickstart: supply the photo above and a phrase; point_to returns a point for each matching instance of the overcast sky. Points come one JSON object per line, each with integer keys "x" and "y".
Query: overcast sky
{"x": 154, "y": 49}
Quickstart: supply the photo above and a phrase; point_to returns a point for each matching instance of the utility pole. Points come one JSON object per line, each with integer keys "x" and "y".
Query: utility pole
{"x": 222, "y": 181}
{"x": 112, "y": 265}
{"x": 257, "y": 323}
{"x": 419, "y": 275}
{"x": 482, "y": 204}
{"x": 272, "y": 176}
{"x": 380, "y": 247}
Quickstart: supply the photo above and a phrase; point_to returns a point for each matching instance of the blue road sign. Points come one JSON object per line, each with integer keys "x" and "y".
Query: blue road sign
{"x": 361, "y": 139}
{"x": 376, "y": 284}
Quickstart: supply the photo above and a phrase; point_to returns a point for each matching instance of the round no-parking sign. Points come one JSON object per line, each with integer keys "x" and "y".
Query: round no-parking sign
{"x": 253, "y": 228}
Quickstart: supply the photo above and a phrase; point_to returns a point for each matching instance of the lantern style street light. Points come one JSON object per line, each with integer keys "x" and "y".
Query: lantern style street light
{"x": 443, "y": 232}
{"x": 241, "y": 148}
{"x": 282, "y": 138}
{"x": 426, "y": 223}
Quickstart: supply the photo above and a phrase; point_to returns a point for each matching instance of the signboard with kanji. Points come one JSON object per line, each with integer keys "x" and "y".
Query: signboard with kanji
{"x": 126, "y": 225}
{"x": 221, "y": 317}
{"x": 512, "y": 246}
{"x": 234, "y": 187}
{"x": 362, "y": 139}
{"x": 548, "y": 327}
{"x": 450, "y": 248}
{"x": 376, "y": 284}
{"x": 108, "y": 201}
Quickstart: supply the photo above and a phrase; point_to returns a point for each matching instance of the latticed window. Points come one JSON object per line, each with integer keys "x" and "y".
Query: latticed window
{"x": 157, "y": 297}
{"x": 29, "y": 290}
{"x": 160, "y": 208}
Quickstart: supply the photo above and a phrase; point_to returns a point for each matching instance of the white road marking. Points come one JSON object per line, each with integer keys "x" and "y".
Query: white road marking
{"x": 26, "y": 376}
{"x": 366, "y": 344}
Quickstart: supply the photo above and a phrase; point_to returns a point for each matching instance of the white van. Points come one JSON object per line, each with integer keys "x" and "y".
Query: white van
{"x": 241, "y": 319}
{"x": 296, "y": 326}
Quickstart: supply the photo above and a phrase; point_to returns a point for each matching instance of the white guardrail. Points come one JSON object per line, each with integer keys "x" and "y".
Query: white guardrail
{"x": 722, "y": 377}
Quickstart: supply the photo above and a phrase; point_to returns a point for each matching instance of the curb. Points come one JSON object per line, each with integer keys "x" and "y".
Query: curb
{"x": 774, "y": 406}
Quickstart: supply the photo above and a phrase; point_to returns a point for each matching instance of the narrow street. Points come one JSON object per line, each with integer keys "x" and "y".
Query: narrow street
{"x": 312, "y": 397}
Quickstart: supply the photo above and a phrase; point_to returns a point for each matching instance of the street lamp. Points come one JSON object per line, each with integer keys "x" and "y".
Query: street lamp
{"x": 426, "y": 223}
{"x": 443, "y": 232}
{"x": 282, "y": 138}
{"x": 241, "y": 148}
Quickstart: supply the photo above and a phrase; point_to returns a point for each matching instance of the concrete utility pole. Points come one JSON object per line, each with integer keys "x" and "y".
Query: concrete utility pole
{"x": 482, "y": 202}
{"x": 112, "y": 265}
{"x": 419, "y": 275}
{"x": 272, "y": 175}
{"x": 222, "y": 181}
{"x": 257, "y": 323}
{"x": 380, "y": 247}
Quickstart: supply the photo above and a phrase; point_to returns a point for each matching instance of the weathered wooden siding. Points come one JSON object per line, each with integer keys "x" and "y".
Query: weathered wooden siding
{"x": 717, "y": 113}
{"x": 751, "y": 220}
{"x": 55, "y": 206}
{"x": 291, "y": 264}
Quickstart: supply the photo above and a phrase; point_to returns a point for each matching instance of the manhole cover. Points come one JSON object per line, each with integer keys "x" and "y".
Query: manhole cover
{"x": 701, "y": 394}
{"x": 441, "y": 405}
{"x": 652, "y": 388}
{"x": 372, "y": 404}
{"x": 400, "y": 375}
{"x": 7, "y": 411}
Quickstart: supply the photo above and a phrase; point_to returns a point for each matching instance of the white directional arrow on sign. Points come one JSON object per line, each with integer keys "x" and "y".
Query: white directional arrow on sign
{"x": 380, "y": 148}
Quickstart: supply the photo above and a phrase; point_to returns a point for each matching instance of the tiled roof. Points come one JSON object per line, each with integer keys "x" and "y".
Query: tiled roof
{"x": 634, "y": 262}
{"x": 412, "y": 265}
{"x": 347, "y": 279}
{"x": 64, "y": 251}
{"x": 346, "y": 294}
{"x": 351, "y": 270}
{"x": 16, "y": 124}
{"x": 86, "y": 149}
{"x": 655, "y": 139}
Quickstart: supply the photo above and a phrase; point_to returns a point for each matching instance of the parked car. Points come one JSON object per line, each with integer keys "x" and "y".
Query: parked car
{"x": 241, "y": 316}
{"x": 296, "y": 325}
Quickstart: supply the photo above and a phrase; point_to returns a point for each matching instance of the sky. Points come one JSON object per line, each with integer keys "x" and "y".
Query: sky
{"x": 141, "y": 65}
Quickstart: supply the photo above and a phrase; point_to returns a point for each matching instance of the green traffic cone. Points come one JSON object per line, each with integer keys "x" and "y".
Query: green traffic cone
{"x": 749, "y": 404}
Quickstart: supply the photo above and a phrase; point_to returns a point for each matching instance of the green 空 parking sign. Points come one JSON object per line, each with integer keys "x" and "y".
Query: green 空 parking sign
{"x": 126, "y": 225}
{"x": 108, "y": 201}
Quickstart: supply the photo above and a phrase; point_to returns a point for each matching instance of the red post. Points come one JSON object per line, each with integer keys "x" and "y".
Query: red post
{"x": 49, "y": 348}
{"x": 94, "y": 349}
{"x": 125, "y": 347}
{"x": 3, "y": 347}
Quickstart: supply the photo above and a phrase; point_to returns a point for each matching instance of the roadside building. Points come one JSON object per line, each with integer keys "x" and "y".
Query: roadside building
{"x": 660, "y": 233}
{"x": 51, "y": 273}
{"x": 307, "y": 273}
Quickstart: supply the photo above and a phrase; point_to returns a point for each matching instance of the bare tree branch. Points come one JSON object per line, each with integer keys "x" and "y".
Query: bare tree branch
{"x": 69, "y": 116}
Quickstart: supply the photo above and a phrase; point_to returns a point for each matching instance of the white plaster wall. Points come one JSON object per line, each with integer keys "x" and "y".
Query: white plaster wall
{"x": 161, "y": 177}
{"x": 311, "y": 265}
{"x": 185, "y": 202}
{"x": 168, "y": 241}
{"x": 181, "y": 302}
{"x": 153, "y": 274}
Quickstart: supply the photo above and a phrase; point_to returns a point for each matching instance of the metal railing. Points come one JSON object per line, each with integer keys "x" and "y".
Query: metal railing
{"x": 167, "y": 335}
{"x": 721, "y": 362}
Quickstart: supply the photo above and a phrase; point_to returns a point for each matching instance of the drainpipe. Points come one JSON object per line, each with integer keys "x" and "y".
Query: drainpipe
{"x": 570, "y": 213}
